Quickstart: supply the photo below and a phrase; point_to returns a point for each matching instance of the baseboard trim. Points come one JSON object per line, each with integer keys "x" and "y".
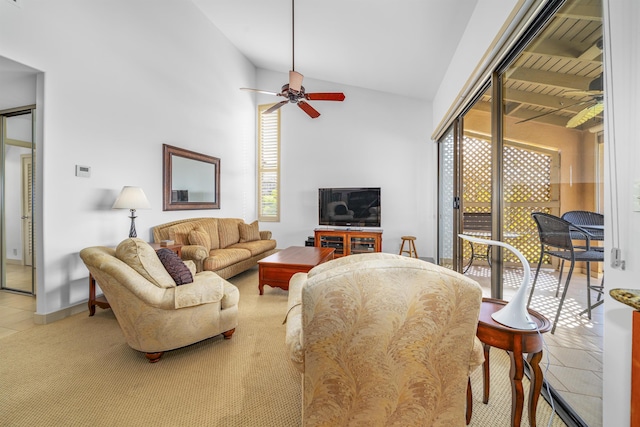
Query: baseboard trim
{"x": 43, "y": 319}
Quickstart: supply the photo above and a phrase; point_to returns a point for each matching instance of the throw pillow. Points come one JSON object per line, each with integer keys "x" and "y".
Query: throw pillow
{"x": 176, "y": 268}
{"x": 198, "y": 236}
{"x": 137, "y": 254}
{"x": 249, "y": 232}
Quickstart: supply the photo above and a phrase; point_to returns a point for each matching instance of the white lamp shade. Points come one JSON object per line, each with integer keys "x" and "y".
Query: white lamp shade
{"x": 131, "y": 198}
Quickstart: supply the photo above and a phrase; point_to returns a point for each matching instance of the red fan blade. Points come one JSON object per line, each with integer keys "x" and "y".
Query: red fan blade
{"x": 266, "y": 92}
{"x": 275, "y": 107}
{"x": 295, "y": 81}
{"x": 330, "y": 96}
{"x": 312, "y": 112}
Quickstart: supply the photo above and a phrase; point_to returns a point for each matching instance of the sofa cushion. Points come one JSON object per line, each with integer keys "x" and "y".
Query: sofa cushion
{"x": 176, "y": 268}
{"x": 198, "y": 236}
{"x": 179, "y": 233}
{"x": 249, "y": 232}
{"x": 207, "y": 287}
{"x": 137, "y": 254}
{"x": 256, "y": 247}
{"x": 228, "y": 231}
{"x": 221, "y": 258}
{"x": 210, "y": 225}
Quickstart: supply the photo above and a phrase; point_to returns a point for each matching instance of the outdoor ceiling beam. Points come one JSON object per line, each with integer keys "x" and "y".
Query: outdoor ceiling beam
{"x": 550, "y": 119}
{"x": 585, "y": 52}
{"x": 520, "y": 114}
{"x": 583, "y": 12}
{"x": 540, "y": 100}
{"x": 550, "y": 78}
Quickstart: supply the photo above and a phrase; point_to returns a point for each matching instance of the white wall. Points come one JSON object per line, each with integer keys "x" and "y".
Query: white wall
{"x": 621, "y": 161}
{"x": 372, "y": 139}
{"x": 488, "y": 17}
{"x": 120, "y": 79}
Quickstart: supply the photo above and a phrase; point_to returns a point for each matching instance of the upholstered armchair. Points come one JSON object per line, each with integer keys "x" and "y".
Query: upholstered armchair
{"x": 154, "y": 313}
{"x": 383, "y": 340}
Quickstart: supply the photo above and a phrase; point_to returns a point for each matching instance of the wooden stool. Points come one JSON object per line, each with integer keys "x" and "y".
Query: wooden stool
{"x": 411, "y": 247}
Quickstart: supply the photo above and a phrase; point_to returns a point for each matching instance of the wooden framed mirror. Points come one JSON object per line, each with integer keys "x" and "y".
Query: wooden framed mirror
{"x": 190, "y": 180}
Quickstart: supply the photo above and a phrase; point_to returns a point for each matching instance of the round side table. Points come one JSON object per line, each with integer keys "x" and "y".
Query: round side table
{"x": 516, "y": 342}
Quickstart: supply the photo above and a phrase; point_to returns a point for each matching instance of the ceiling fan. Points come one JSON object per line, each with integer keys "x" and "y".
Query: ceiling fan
{"x": 293, "y": 91}
{"x": 595, "y": 92}
{"x": 596, "y": 106}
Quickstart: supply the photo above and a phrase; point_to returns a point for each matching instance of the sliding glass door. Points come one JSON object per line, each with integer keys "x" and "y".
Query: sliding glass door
{"x": 531, "y": 140}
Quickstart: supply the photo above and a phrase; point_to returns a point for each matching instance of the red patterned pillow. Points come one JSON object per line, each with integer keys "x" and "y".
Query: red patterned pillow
{"x": 176, "y": 268}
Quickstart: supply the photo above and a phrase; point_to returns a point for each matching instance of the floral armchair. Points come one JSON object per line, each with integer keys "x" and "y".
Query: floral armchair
{"x": 381, "y": 340}
{"x": 154, "y": 313}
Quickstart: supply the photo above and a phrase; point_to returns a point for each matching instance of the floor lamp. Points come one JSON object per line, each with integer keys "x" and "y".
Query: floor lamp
{"x": 132, "y": 198}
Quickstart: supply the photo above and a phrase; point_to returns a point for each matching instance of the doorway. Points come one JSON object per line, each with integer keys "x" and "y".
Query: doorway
{"x": 17, "y": 149}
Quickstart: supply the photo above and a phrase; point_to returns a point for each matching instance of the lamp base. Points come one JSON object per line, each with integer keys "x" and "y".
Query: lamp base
{"x": 132, "y": 230}
{"x": 515, "y": 317}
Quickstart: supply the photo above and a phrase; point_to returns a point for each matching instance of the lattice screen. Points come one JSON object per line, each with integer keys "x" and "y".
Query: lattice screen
{"x": 527, "y": 187}
{"x": 446, "y": 190}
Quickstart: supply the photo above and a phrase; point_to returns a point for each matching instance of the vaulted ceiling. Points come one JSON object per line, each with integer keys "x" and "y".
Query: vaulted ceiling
{"x": 405, "y": 49}
{"x": 401, "y": 46}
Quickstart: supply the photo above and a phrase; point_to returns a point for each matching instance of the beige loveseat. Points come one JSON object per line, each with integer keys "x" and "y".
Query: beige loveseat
{"x": 154, "y": 313}
{"x": 383, "y": 340}
{"x": 226, "y": 246}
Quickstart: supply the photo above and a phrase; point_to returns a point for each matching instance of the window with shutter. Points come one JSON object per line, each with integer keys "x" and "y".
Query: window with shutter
{"x": 268, "y": 165}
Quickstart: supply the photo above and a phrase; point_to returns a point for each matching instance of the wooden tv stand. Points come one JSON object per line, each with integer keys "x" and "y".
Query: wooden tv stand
{"x": 349, "y": 242}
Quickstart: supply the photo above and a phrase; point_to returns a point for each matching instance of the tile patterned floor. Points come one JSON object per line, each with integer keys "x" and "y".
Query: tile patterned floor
{"x": 575, "y": 349}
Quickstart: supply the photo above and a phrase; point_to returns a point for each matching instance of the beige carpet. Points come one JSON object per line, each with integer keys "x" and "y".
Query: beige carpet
{"x": 79, "y": 372}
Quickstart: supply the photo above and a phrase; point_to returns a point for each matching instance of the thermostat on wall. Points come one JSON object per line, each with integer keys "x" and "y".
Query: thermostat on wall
{"x": 83, "y": 171}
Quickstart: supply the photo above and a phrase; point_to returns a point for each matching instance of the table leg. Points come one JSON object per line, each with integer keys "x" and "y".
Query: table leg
{"x": 536, "y": 385}
{"x": 92, "y": 295}
{"x": 517, "y": 391}
{"x": 485, "y": 368}
{"x": 469, "y": 401}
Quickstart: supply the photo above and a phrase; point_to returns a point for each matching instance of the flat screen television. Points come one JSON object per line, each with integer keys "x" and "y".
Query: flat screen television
{"x": 349, "y": 207}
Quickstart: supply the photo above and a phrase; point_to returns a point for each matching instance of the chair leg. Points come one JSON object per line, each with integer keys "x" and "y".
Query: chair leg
{"x": 589, "y": 290}
{"x": 564, "y": 293}
{"x": 413, "y": 252}
{"x": 600, "y": 290}
{"x": 154, "y": 357}
{"x": 560, "y": 278}
{"x": 535, "y": 279}
{"x": 470, "y": 259}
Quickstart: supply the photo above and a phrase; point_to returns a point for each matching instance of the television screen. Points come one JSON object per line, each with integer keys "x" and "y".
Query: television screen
{"x": 351, "y": 207}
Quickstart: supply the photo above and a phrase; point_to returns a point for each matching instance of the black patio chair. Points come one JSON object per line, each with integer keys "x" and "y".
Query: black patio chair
{"x": 584, "y": 219}
{"x": 556, "y": 240}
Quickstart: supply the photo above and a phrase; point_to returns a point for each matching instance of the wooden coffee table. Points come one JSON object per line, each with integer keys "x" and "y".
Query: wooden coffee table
{"x": 276, "y": 270}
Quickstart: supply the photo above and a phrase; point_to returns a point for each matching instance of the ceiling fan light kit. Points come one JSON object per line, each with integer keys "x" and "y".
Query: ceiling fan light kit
{"x": 294, "y": 91}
